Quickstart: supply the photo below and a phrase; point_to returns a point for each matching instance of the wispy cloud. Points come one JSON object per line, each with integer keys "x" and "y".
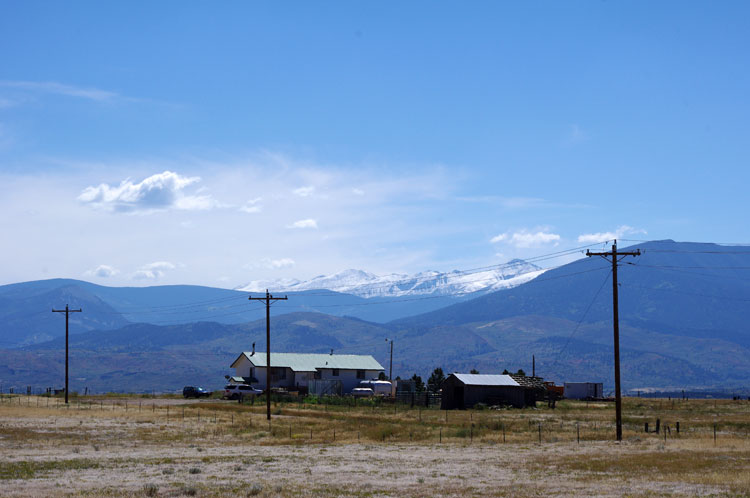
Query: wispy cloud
{"x": 54, "y": 87}
{"x": 309, "y": 223}
{"x": 304, "y": 191}
{"x": 153, "y": 271}
{"x": 527, "y": 239}
{"x": 280, "y": 263}
{"x": 620, "y": 232}
{"x": 252, "y": 206}
{"x": 102, "y": 271}
{"x": 576, "y": 135}
{"x": 157, "y": 192}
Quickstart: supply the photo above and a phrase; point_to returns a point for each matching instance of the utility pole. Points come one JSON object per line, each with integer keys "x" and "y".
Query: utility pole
{"x": 616, "y": 323}
{"x": 268, "y": 300}
{"x": 67, "y": 312}
{"x": 390, "y": 370}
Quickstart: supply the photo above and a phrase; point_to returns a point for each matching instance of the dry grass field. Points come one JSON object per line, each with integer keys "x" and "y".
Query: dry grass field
{"x": 170, "y": 447}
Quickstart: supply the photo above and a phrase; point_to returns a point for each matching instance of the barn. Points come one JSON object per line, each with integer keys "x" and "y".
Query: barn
{"x": 466, "y": 390}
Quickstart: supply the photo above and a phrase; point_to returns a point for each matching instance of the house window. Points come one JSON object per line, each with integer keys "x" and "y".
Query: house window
{"x": 335, "y": 372}
{"x": 360, "y": 374}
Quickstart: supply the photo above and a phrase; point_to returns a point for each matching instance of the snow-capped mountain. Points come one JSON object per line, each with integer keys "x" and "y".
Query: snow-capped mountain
{"x": 363, "y": 284}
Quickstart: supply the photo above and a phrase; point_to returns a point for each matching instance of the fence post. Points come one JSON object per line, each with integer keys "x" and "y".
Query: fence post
{"x": 540, "y": 433}
{"x": 714, "y": 434}
{"x": 645, "y": 427}
{"x": 578, "y": 433}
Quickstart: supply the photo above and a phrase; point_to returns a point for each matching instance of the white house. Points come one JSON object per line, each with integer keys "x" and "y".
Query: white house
{"x": 295, "y": 370}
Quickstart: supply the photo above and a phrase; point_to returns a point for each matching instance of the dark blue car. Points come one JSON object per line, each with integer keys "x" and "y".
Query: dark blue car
{"x": 195, "y": 392}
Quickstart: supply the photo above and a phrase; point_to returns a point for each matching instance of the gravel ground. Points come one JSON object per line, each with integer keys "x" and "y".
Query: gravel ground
{"x": 80, "y": 454}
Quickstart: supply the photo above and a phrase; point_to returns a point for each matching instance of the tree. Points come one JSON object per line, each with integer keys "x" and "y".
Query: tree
{"x": 474, "y": 371}
{"x": 382, "y": 376}
{"x": 505, "y": 372}
{"x": 437, "y": 378}
{"x": 418, "y": 384}
{"x": 521, "y": 372}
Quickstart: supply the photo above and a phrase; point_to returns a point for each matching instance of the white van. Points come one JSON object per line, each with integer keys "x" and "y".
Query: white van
{"x": 379, "y": 387}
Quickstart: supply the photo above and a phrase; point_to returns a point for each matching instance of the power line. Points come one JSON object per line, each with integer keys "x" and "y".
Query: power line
{"x": 662, "y": 289}
{"x": 583, "y": 317}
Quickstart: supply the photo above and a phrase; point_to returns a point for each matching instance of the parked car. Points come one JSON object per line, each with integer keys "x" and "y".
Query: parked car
{"x": 234, "y": 391}
{"x": 362, "y": 392}
{"x": 195, "y": 392}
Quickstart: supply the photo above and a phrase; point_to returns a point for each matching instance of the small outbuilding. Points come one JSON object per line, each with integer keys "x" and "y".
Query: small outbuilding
{"x": 466, "y": 390}
{"x": 584, "y": 390}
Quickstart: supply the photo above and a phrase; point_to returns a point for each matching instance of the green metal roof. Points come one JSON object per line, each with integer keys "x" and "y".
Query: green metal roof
{"x": 301, "y": 362}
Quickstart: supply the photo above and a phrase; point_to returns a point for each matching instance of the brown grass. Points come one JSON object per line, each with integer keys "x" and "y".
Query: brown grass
{"x": 136, "y": 447}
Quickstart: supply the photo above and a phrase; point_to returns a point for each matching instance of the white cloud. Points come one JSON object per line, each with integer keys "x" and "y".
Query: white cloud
{"x": 102, "y": 271}
{"x": 358, "y": 191}
{"x": 527, "y": 239}
{"x": 61, "y": 89}
{"x": 153, "y": 271}
{"x": 304, "y": 191}
{"x": 309, "y": 223}
{"x": 157, "y": 192}
{"x": 280, "y": 263}
{"x": 252, "y": 206}
{"x": 620, "y": 232}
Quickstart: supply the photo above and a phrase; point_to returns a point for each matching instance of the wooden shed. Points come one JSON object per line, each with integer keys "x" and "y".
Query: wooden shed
{"x": 466, "y": 390}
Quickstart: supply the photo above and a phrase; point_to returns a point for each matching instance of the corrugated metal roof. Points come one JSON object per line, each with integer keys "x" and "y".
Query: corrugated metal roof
{"x": 485, "y": 380}
{"x": 308, "y": 362}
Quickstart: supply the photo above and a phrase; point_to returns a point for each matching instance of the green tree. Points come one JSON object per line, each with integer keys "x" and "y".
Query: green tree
{"x": 382, "y": 376}
{"x": 474, "y": 371}
{"x": 505, "y": 372}
{"x": 418, "y": 384}
{"x": 437, "y": 378}
{"x": 521, "y": 372}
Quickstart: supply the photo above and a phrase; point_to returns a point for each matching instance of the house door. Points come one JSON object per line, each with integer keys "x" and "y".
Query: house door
{"x": 458, "y": 396}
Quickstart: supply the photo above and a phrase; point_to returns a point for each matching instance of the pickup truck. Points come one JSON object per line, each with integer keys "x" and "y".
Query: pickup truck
{"x": 235, "y": 391}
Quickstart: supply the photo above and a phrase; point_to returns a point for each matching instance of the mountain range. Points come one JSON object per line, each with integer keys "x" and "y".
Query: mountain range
{"x": 363, "y": 284}
{"x": 683, "y": 324}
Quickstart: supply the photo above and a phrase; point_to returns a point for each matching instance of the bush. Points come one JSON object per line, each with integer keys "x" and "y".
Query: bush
{"x": 150, "y": 489}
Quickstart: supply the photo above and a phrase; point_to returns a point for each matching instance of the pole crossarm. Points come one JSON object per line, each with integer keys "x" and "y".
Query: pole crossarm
{"x": 268, "y": 299}
{"x": 67, "y": 312}
{"x": 616, "y": 256}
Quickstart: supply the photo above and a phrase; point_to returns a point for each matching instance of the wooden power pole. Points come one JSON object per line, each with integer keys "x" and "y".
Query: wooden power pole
{"x": 614, "y": 255}
{"x": 268, "y": 300}
{"x": 67, "y": 312}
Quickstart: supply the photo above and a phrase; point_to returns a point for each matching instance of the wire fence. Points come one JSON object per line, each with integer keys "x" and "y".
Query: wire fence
{"x": 301, "y": 423}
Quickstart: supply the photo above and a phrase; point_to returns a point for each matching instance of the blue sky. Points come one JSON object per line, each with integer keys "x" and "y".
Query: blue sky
{"x": 173, "y": 142}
